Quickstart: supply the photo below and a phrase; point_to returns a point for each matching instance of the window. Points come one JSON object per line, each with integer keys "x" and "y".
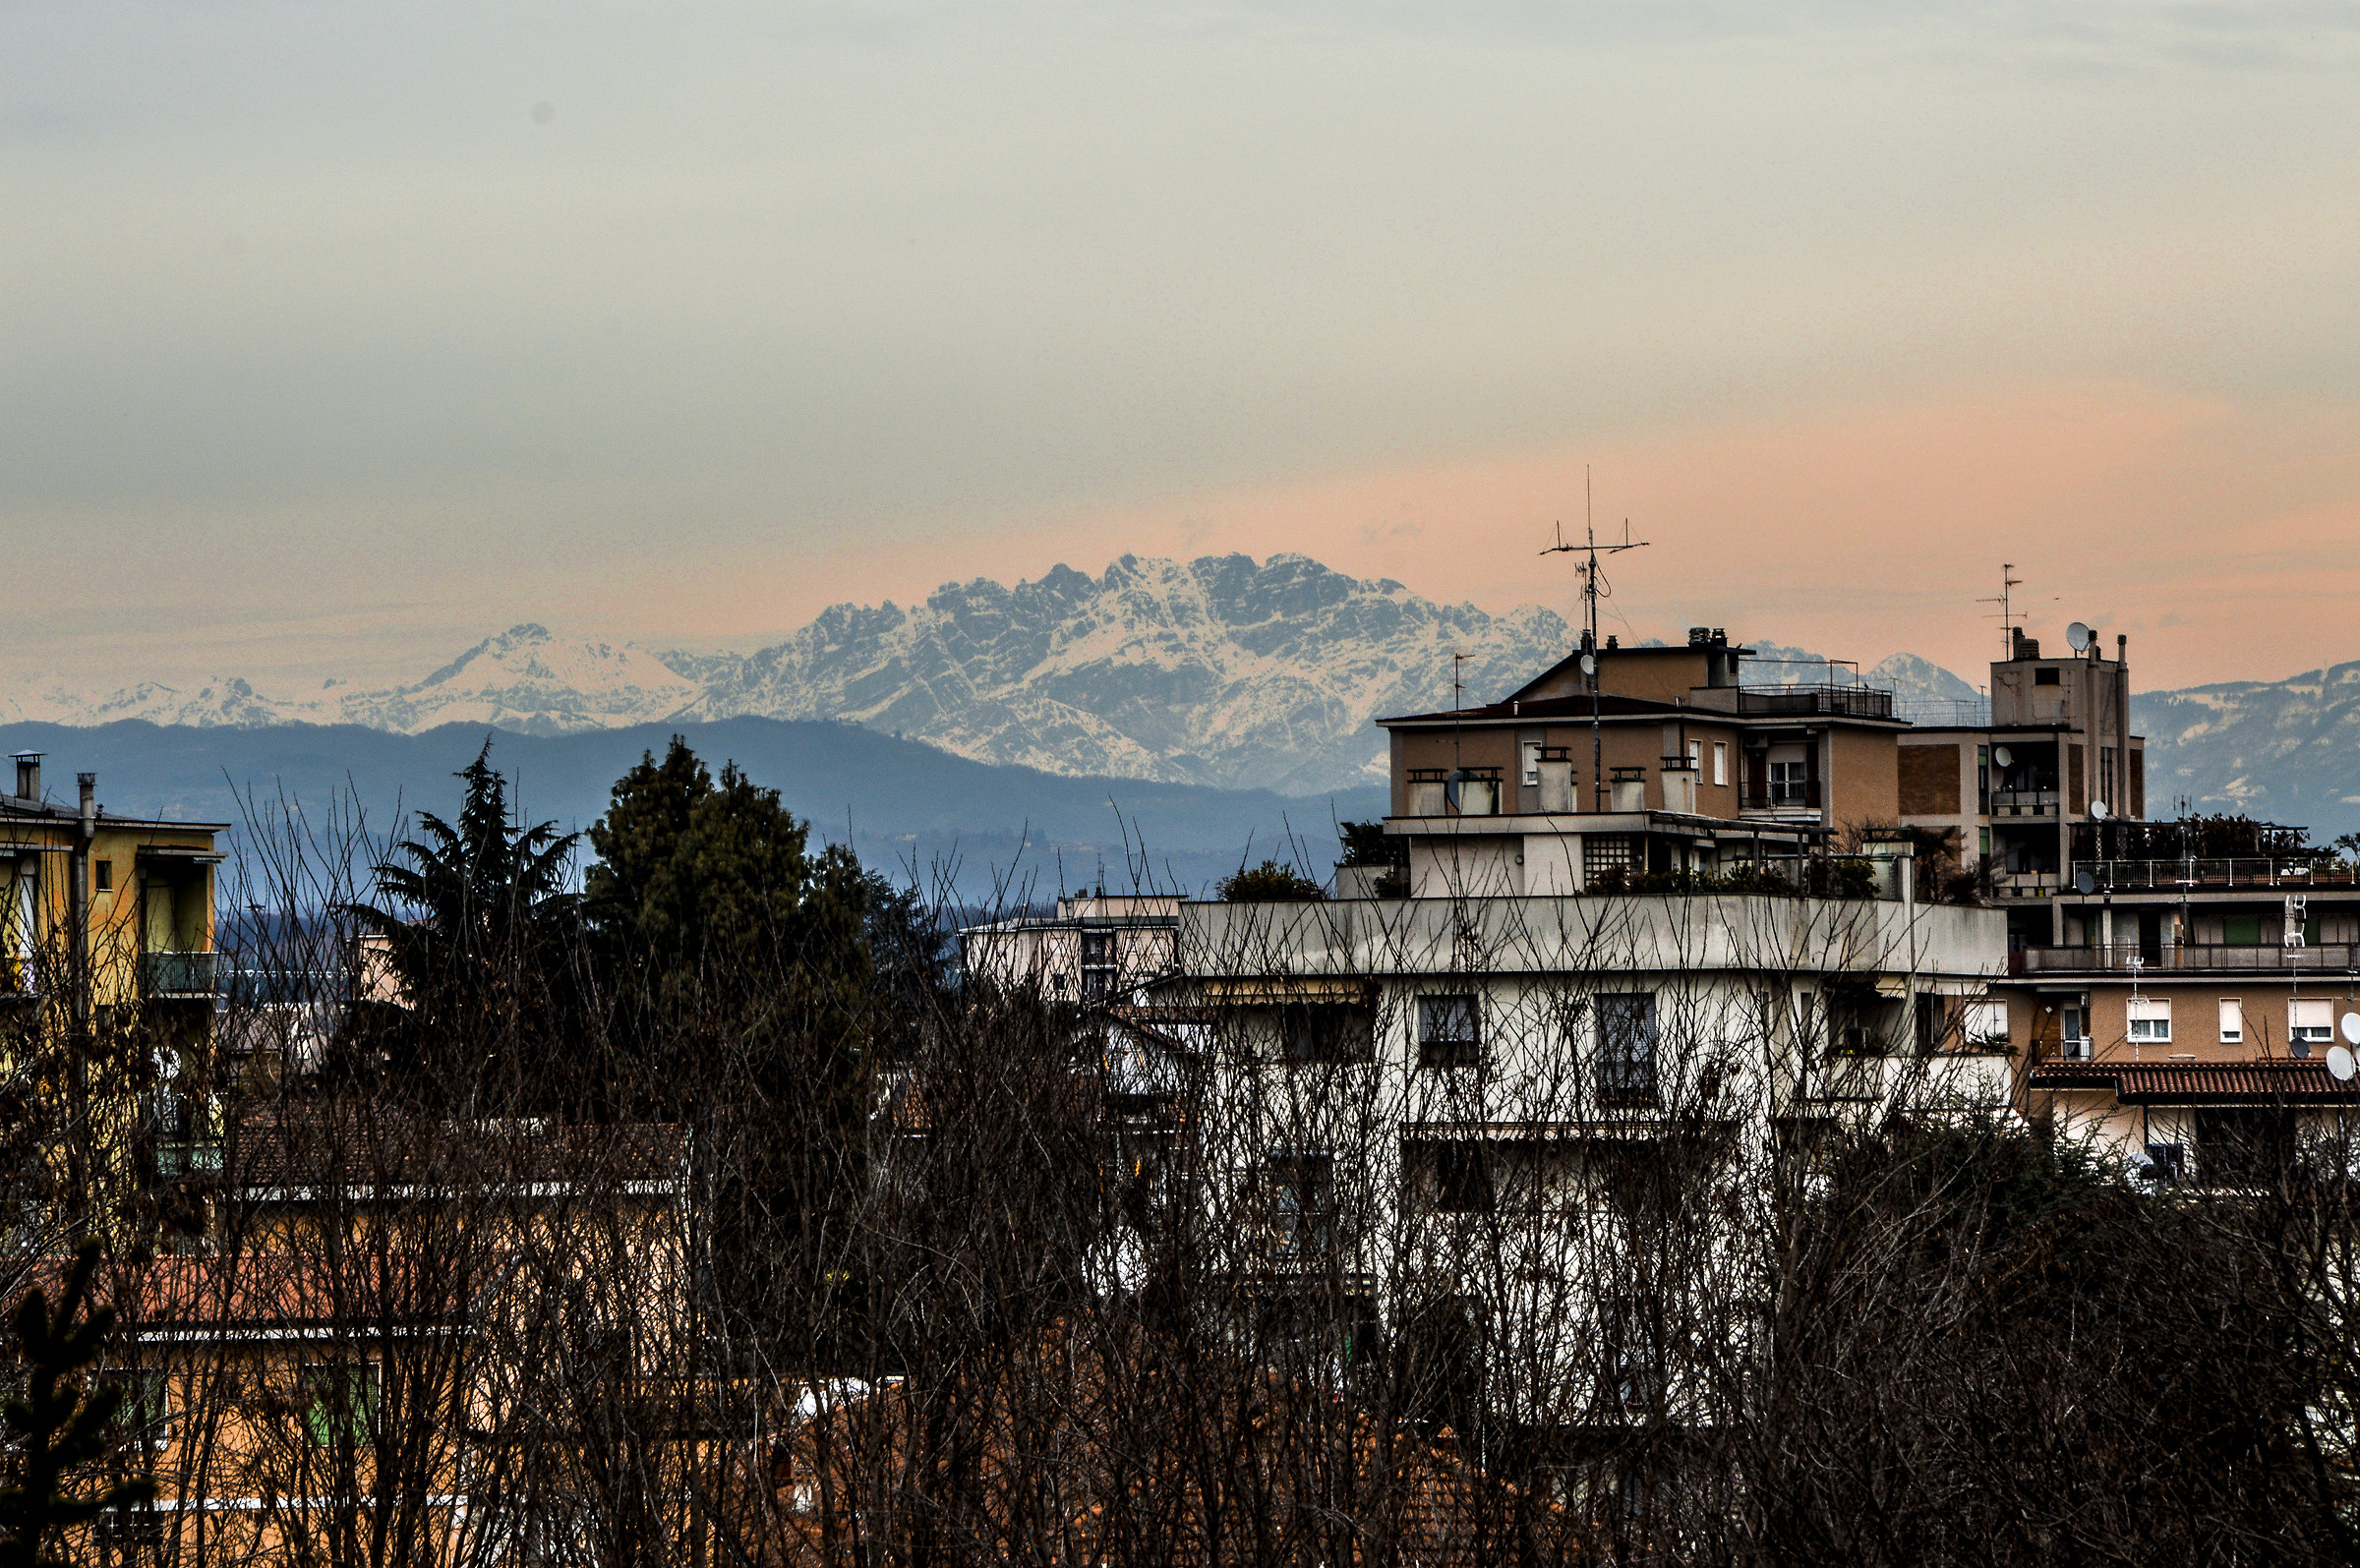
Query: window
{"x": 2150, "y": 1021}
{"x": 343, "y": 1402}
{"x": 146, "y": 1412}
{"x": 2074, "y": 1030}
{"x": 2047, "y": 678}
{"x": 1983, "y": 839}
{"x": 131, "y": 1535}
{"x": 2309, "y": 1022}
{"x": 1632, "y": 1352}
{"x": 1696, "y": 756}
{"x": 1302, "y": 1196}
{"x": 104, "y": 872}
{"x": 1603, "y": 853}
{"x": 2167, "y": 1163}
{"x": 2232, "y": 1022}
{"x": 1720, "y": 762}
{"x": 1787, "y": 783}
{"x": 1097, "y": 963}
{"x": 1626, "y": 1047}
{"x": 1450, "y": 1031}
{"x": 1532, "y": 763}
{"x": 1986, "y": 1025}
{"x": 2241, "y": 930}
{"x": 1463, "y": 1179}
{"x": 1326, "y": 1033}
{"x": 1982, "y": 790}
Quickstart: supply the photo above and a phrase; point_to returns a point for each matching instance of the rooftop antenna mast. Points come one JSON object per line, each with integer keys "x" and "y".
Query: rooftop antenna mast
{"x": 1594, "y": 587}
{"x": 2007, "y": 615}
{"x": 1458, "y": 688}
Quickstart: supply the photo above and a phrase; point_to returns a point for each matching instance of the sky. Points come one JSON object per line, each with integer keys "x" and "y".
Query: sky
{"x": 335, "y": 337}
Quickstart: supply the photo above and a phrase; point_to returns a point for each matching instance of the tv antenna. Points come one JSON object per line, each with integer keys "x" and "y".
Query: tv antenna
{"x": 1594, "y": 587}
{"x": 1458, "y": 688}
{"x": 2007, "y": 615}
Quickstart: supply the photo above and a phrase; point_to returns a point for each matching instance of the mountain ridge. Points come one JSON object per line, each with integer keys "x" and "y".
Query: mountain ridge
{"x": 1221, "y": 672}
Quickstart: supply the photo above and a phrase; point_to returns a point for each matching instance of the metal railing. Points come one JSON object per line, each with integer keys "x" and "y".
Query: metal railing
{"x": 1804, "y": 796}
{"x": 2253, "y": 872}
{"x": 1973, "y": 713}
{"x": 2329, "y": 957}
{"x": 1856, "y": 702}
{"x": 179, "y": 973}
{"x": 2024, "y": 802}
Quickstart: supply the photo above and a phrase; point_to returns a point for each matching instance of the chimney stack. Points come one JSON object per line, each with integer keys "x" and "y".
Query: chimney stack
{"x": 28, "y": 775}
{"x": 89, "y": 803}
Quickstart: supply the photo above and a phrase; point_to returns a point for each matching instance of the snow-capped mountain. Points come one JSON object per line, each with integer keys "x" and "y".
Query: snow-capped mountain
{"x": 1216, "y": 670}
{"x": 1219, "y": 671}
{"x": 2283, "y": 750}
{"x": 527, "y": 680}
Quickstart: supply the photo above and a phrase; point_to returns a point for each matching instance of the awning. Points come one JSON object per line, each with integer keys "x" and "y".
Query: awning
{"x": 187, "y": 854}
{"x": 1274, "y": 990}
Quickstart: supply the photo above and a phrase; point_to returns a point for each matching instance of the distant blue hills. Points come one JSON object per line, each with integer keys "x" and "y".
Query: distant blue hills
{"x": 900, "y": 804}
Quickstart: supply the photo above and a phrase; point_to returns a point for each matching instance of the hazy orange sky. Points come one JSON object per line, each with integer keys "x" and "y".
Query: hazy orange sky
{"x": 340, "y": 336}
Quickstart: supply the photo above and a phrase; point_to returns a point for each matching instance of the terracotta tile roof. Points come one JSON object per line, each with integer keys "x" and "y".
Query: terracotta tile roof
{"x": 2261, "y": 1082}
{"x": 358, "y": 1154}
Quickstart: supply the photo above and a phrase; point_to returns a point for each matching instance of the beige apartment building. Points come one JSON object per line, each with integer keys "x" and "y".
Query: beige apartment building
{"x": 1664, "y": 763}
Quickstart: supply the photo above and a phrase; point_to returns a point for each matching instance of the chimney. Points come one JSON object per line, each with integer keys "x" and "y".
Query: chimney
{"x": 90, "y": 802}
{"x": 28, "y": 775}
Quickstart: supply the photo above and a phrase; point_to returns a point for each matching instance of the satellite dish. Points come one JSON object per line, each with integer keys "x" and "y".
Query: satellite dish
{"x": 2339, "y": 1063}
{"x": 2002, "y": 755}
{"x": 2098, "y": 811}
{"x": 1450, "y": 788}
{"x": 2080, "y": 636}
{"x": 2351, "y": 1028}
{"x": 1589, "y": 664}
{"x": 2085, "y": 884}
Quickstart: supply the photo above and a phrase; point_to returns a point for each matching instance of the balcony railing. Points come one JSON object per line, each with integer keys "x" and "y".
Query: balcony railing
{"x": 1802, "y": 796}
{"x": 1854, "y": 702}
{"x": 2187, "y": 959}
{"x": 2024, "y": 802}
{"x": 179, "y": 974}
{"x": 2258, "y": 872}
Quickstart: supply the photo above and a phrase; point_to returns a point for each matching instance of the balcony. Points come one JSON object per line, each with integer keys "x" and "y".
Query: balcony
{"x": 2024, "y": 802}
{"x": 1455, "y": 791}
{"x": 2190, "y": 958}
{"x": 1850, "y": 702}
{"x": 178, "y": 974}
{"x": 1804, "y": 796}
{"x": 2124, "y": 876}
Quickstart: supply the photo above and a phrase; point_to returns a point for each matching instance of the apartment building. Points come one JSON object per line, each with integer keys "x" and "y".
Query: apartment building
{"x": 101, "y": 910}
{"x": 1656, "y": 760}
{"x": 1579, "y": 988}
{"x": 2056, "y": 755}
{"x": 2204, "y": 969}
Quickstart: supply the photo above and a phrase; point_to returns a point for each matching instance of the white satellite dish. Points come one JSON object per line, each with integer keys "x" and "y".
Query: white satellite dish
{"x": 2351, "y": 1028}
{"x": 2080, "y": 636}
{"x": 2002, "y": 755}
{"x": 2084, "y": 883}
{"x": 2339, "y": 1063}
{"x": 1589, "y": 664}
{"x": 2098, "y": 811}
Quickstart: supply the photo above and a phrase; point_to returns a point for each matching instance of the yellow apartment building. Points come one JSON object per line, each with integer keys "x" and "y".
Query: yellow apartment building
{"x": 100, "y": 911}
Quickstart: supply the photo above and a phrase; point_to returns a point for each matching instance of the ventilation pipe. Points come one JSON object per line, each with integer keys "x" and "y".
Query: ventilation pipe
{"x": 82, "y": 897}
